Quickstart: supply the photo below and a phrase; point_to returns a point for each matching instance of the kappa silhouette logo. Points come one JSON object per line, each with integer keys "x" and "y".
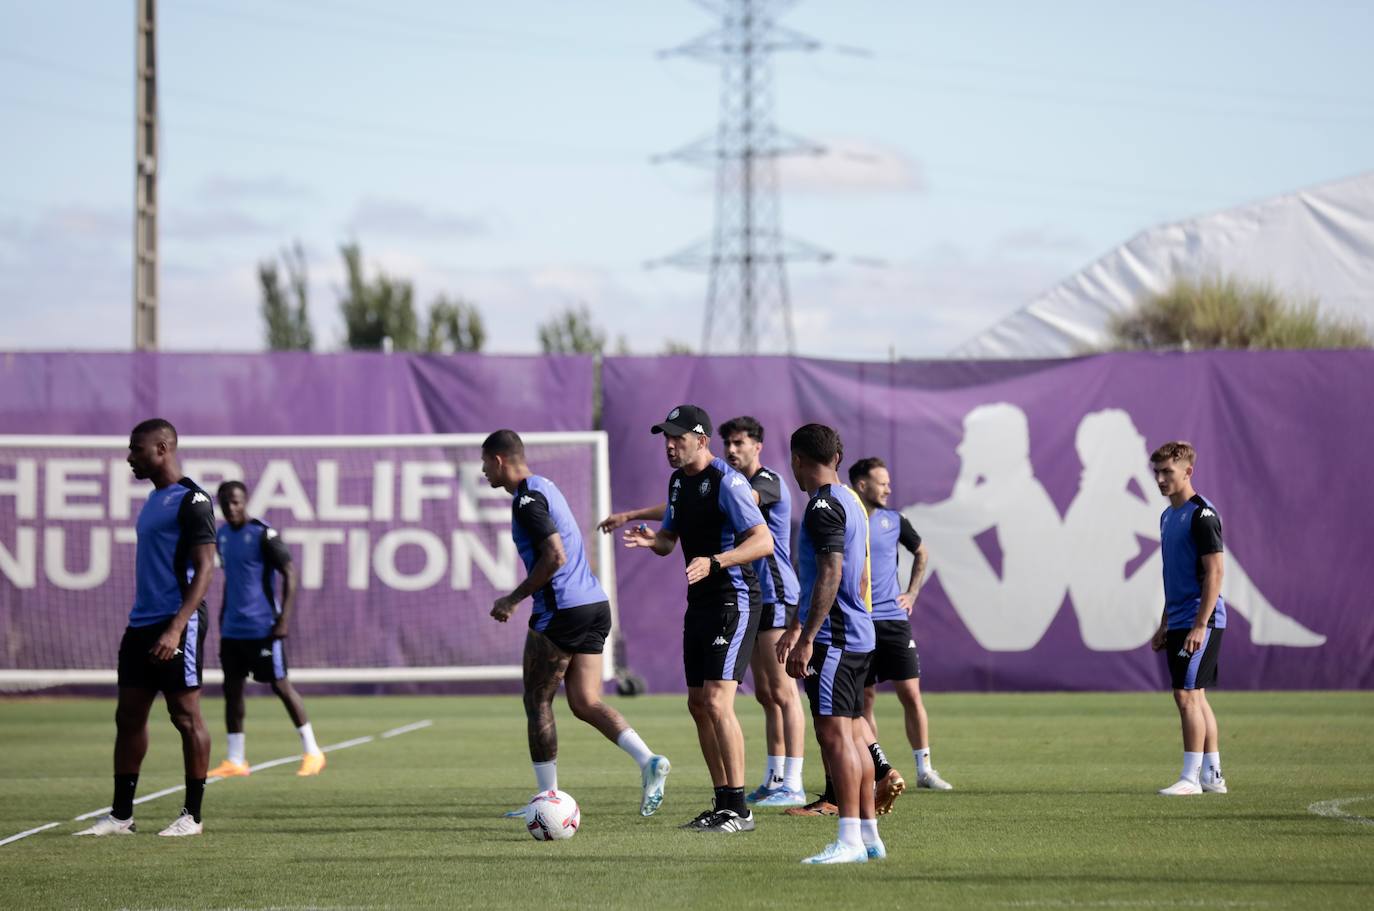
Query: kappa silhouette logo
{"x": 199, "y": 497}
{"x": 270, "y": 533}
{"x": 698, "y": 429}
{"x": 526, "y": 500}
{"x": 1006, "y": 557}
{"x": 721, "y": 640}
{"x": 736, "y": 481}
{"x": 820, "y": 504}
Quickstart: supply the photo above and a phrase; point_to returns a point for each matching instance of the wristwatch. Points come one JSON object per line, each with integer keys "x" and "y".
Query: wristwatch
{"x": 715, "y": 564}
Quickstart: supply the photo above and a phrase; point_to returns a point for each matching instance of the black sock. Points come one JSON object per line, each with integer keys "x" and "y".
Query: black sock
{"x": 722, "y": 799}
{"x": 195, "y": 792}
{"x": 734, "y": 800}
{"x": 880, "y": 764}
{"x": 829, "y": 795}
{"x": 122, "y": 807}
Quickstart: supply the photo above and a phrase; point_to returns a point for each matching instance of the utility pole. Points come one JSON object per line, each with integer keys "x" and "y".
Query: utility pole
{"x": 145, "y": 176}
{"x": 746, "y": 298}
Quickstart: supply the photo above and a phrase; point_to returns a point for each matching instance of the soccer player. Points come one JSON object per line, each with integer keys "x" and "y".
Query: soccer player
{"x": 895, "y": 658}
{"x": 1194, "y": 614}
{"x": 568, "y": 624}
{"x": 711, "y": 509}
{"x": 253, "y": 626}
{"x": 784, "y": 721}
{"x": 163, "y": 645}
{"x": 830, "y": 644}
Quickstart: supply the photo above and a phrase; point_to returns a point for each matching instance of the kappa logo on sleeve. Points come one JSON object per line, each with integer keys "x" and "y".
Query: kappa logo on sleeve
{"x": 1207, "y": 512}
{"x": 199, "y": 497}
{"x": 820, "y": 504}
{"x": 736, "y": 481}
{"x": 526, "y": 500}
{"x": 271, "y": 533}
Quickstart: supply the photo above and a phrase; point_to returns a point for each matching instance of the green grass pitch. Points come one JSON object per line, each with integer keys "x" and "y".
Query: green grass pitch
{"x": 1054, "y": 808}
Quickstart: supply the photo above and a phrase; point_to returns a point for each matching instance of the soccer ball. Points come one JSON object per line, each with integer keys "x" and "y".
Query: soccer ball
{"x": 552, "y": 815}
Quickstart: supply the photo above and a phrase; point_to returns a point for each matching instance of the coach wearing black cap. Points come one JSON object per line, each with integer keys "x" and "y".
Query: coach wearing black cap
{"x": 711, "y": 509}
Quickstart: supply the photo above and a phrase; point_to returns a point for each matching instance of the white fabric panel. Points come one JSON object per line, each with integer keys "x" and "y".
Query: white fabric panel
{"x": 1317, "y": 243}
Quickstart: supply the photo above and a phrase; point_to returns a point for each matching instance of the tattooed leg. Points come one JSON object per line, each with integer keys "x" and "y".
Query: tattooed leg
{"x": 545, "y": 664}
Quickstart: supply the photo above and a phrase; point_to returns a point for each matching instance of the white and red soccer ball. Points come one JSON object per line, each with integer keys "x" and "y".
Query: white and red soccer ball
{"x": 552, "y": 815}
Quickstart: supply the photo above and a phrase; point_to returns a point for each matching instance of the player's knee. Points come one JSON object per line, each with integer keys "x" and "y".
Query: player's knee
{"x": 128, "y": 720}
{"x": 537, "y": 703}
{"x": 584, "y": 709}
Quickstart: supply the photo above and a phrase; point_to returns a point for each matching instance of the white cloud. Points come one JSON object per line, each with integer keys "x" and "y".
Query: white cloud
{"x": 851, "y": 166}
{"x": 398, "y": 218}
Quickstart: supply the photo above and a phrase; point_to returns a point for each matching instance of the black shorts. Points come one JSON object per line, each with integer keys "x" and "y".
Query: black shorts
{"x": 835, "y": 681}
{"x": 776, "y": 616}
{"x": 264, "y": 658}
{"x": 717, "y": 644}
{"x": 576, "y": 630}
{"x": 138, "y": 668}
{"x": 1198, "y": 670}
{"x": 894, "y": 655}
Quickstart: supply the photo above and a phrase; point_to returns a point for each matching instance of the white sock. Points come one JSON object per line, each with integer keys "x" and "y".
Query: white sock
{"x": 773, "y": 774}
{"x": 922, "y": 761}
{"x": 1211, "y": 766}
{"x": 633, "y": 744}
{"x": 308, "y": 744}
{"x": 546, "y": 775}
{"x": 792, "y": 772}
{"x": 236, "y": 753}
{"x": 849, "y": 831}
{"x": 869, "y": 829}
{"x": 1192, "y": 765}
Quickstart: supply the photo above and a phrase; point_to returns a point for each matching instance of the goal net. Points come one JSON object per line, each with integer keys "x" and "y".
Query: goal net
{"x": 400, "y": 547}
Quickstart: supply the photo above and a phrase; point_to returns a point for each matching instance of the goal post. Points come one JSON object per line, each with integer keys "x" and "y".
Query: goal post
{"x": 399, "y": 543}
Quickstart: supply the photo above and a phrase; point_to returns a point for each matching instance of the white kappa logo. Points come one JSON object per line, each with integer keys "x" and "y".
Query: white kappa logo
{"x": 199, "y": 497}
{"x": 820, "y": 504}
{"x": 526, "y": 500}
{"x": 698, "y": 429}
{"x": 270, "y": 533}
{"x": 720, "y": 640}
{"x": 737, "y": 481}
{"x": 1207, "y": 512}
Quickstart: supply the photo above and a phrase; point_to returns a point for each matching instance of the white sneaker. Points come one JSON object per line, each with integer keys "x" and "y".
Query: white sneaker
{"x": 837, "y": 852}
{"x": 108, "y": 825}
{"x": 1181, "y": 788}
{"x": 185, "y": 824}
{"x": 652, "y": 778}
{"x": 932, "y": 780}
{"x": 876, "y": 850}
{"x": 1214, "y": 785}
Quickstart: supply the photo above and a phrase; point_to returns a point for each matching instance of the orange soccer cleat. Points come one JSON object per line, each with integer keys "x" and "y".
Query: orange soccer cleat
{"x": 311, "y": 764}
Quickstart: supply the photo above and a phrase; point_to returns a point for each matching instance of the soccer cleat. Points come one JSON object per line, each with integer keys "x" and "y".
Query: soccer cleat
{"x": 230, "y": 769}
{"x": 311, "y": 764}
{"x": 886, "y": 792}
{"x": 876, "y": 850}
{"x": 818, "y": 807}
{"x": 702, "y": 819}
{"x": 185, "y": 824}
{"x": 1181, "y": 788}
{"x": 781, "y": 798}
{"x": 1214, "y": 785}
{"x": 108, "y": 825}
{"x": 932, "y": 780}
{"x": 728, "y": 821}
{"x": 652, "y": 778}
{"x": 517, "y": 813}
{"x": 837, "y": 852}
{"x": 757, "y": 794}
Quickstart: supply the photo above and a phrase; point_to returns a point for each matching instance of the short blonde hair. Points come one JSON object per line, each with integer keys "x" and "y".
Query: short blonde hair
{"x": 1174, "y": 451}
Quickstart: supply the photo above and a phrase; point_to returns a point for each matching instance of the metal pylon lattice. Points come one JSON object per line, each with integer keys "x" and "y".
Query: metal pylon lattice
{"x": 747, "y": 301}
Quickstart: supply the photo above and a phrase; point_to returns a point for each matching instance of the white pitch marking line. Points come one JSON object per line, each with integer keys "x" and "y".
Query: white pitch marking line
{"x": 30, "y": 832}
{"x": 357, "y": 741}
{"x": 1332, "y": 809}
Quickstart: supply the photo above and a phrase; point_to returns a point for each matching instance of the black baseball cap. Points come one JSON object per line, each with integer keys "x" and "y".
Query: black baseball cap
{"x": 684, "y": 419}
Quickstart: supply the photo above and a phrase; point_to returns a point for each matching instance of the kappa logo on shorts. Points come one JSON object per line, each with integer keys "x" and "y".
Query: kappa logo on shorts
{"x": 265, "y": 653}
{"x": 721, "y": 640}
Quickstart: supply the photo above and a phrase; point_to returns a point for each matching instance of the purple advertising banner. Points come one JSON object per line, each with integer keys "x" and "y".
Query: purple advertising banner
{"x": 1030, "y": 484}
{"x": 294, "y": 393}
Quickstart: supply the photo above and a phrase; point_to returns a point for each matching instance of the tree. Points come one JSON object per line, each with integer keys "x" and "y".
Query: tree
{"x": 454, "y": 326}
{"x": 673, "y": 346}
{"x": 285, "y": 318}
{"x": 572, "y": 332}
{"x": 1229, "y": 313}
{"x": 380, "y": 309}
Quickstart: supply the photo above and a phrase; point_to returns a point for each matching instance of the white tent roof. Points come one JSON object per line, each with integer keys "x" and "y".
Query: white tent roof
{"x": 1317, "y": 242}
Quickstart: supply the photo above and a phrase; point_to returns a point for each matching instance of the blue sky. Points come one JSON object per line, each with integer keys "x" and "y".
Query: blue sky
{"x": 501, "y": 152}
